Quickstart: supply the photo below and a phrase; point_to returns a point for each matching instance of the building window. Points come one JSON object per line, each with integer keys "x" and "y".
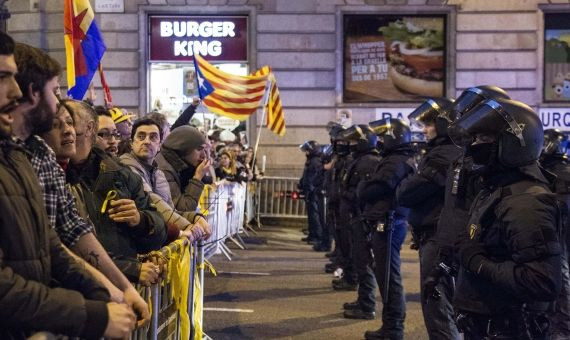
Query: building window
{"x": 556, "y": 57}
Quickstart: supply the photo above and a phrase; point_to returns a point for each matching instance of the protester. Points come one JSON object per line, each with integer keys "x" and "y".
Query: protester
{"x": 146, "y": 140}
{"x": 33, "y": 259}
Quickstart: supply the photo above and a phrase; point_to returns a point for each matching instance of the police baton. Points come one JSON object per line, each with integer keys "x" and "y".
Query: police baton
{"x": 389, "y": 230}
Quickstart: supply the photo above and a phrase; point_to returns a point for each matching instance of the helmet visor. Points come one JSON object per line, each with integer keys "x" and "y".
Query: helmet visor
{"x": 425, "y": 113}
{"x": 488, "y": 117}
{"x": 469, "y": 99}
{"x": 382, "y": 127}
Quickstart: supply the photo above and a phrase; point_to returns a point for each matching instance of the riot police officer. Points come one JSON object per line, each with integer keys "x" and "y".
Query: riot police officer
{"x": 424, "y": 193}
{"x": 555, "y": 160}
{"x": 344, "y": 237}
{"x": 384, "y": 222}
{"x": 509, "y": 251}
{"x": 461, "y": 187}
{"x": 365, "y": 159}
{"x": 327, "y": 222}
{"x": 311, "y": 185}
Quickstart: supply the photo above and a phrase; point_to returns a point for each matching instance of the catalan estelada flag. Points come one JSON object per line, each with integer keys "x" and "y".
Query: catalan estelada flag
{"x": 238, "y": 97}
{"x": 84, "y": 46}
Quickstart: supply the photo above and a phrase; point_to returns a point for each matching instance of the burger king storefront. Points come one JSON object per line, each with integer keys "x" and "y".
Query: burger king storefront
{"x": 172, "y": 41}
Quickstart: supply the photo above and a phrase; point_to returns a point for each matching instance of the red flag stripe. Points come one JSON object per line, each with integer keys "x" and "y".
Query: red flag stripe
{"x": 240, "y": 100}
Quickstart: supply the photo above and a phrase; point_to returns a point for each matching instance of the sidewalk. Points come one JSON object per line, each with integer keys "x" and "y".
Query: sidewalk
{"x": 277, "y": 289}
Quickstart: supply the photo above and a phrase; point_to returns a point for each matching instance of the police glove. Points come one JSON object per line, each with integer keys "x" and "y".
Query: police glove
{"x": 472, "y": 255}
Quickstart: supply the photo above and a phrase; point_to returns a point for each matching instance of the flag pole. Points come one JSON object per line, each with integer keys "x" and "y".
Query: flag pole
{"x": 265, "y": 102}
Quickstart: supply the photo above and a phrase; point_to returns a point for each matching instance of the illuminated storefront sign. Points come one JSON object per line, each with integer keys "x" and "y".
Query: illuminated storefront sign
{"x": 175, "y": 38}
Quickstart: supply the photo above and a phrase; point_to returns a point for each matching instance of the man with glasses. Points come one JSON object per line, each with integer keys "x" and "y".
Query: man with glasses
{"x": 146, "y": 137}
{"x": 108, "y": 137}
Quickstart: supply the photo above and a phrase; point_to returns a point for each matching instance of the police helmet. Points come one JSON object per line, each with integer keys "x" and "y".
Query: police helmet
{"x": 311, "y": 146}
{"x": 428, "y": 112}
{"x": 555, "y": 142}
{"x": 468, "y": 100}
{"x": 517, "y": 128}
{"x": 363, "y": 135}
{"x": 391, "y": 133}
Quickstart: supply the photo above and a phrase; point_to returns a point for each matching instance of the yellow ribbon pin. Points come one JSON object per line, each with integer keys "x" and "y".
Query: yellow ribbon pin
{"x": 110, "y": 196}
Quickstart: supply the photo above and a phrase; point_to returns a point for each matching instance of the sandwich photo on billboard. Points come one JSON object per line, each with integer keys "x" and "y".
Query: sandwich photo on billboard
{"x": 394, "y": 58}
{"x": 416, "y": 54}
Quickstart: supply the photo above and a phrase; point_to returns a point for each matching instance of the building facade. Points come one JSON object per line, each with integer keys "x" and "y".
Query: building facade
{"x": 310, "y": 44}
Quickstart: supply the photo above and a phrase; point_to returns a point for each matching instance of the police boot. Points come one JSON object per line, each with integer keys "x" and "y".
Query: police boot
{"x": 359, "y": 314}
{"x": 331, "y": 267}
{"x": 332, "y": 254}
{"x": 381, "y": 334}
{"x": 351, "y": 305}
{"x": 321, "y": 248}
{"x": 342, "y": 284}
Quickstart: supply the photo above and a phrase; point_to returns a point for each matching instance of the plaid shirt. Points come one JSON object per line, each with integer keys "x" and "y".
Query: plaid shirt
{"x": 59, "y": 202}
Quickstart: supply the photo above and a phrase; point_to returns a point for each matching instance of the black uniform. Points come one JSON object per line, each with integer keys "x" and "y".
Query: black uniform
{"x": 311, "y": 184}
{"x": 512, "y": 264}
{"x": 360, "y": 169}
{"x": 424, "y": 194}
{"x": 559, "y": 165}
{"x": 509, "y": 252}
{"x": 377, "y": 197}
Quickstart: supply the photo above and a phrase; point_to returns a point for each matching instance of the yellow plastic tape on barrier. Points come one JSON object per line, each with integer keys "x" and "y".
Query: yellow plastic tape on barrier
{"x": 203, "y": 202}
{"x": 209, "y": 266}
{"x": 179, "y": 278}
{"x": 197, "y": 317}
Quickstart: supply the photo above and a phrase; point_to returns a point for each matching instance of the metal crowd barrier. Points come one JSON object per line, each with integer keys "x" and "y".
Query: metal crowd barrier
{"x": 224, "y": 207}
{"x": 166, "y": 312}
{"x": 279, "y": 197}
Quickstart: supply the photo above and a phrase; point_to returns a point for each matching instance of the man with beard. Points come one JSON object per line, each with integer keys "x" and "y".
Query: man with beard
{"x": 41, "y": 287}
{"x": 39, "y": 76}
{"x": 113, "y": 196}
{"x": 108, "y": 136}
{"x": 146, "y": 138}
{"x": 183, "y": 159}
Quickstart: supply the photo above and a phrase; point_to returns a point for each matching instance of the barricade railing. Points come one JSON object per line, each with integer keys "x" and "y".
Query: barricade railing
{"x": 279, "y": 197}
{"x": 171, "y": 299}
{"x": 224, "y": 207}
{"x": 176, "y": 300}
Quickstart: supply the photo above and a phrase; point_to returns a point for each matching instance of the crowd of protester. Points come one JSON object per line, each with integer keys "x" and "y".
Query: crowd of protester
{"x": 86, "y": 193}
{"x": 485, "y": 197}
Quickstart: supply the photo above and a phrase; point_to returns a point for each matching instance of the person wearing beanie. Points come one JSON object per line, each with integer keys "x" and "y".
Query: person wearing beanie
{"x": 184, "y": 161}
{"x": 124, "y": 125}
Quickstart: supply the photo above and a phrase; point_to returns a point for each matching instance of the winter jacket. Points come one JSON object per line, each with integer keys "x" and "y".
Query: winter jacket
{"x": 93, "y": 181}
{"x": 41, "y": 287}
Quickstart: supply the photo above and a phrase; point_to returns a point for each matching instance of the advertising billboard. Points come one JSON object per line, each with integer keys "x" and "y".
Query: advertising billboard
{"x": 393, "y": 58}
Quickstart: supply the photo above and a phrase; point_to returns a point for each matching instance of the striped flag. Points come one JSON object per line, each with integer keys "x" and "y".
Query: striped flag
{"x": 239, "y": 97}
{"x": 84, "y": 46}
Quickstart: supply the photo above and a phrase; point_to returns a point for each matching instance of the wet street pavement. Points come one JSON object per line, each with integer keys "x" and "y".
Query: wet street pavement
{"x": 277, "y": 289}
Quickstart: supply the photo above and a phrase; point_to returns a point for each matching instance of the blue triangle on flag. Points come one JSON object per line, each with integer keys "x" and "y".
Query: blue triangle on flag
{"x": 204, "y": 86}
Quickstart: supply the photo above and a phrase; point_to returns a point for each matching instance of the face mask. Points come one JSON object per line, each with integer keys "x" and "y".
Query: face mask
{"x": 353, "y": 148}
{"x": 341, "y": 149}
{"x": 481, "y": 153}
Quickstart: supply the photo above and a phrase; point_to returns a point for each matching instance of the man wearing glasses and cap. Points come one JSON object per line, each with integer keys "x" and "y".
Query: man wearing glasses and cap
{"x": 123, "y": 122}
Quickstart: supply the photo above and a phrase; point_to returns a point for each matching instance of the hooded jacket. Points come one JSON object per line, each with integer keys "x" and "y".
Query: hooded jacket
{"x": 184, "y": 189}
